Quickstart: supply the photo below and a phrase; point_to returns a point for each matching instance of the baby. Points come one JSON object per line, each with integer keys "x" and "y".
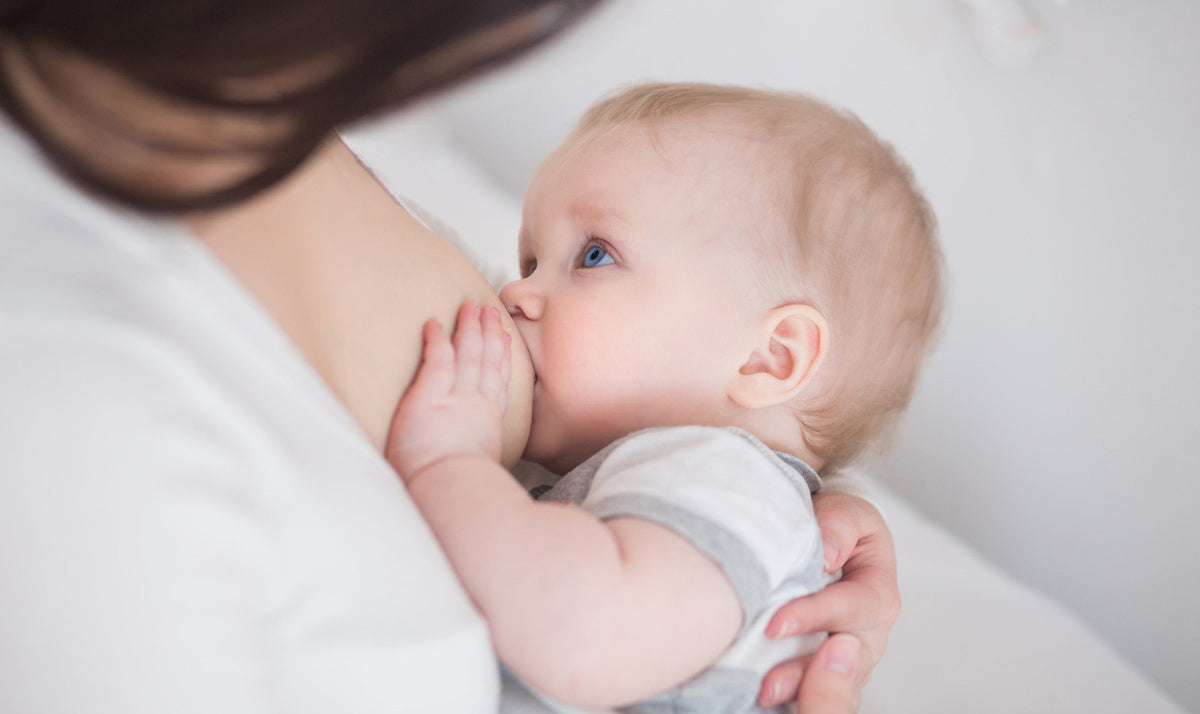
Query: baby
{"x": 724, "y": 293}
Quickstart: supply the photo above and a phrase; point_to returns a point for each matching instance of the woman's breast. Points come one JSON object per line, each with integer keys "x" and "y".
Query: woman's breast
{"x": 416, "y": 276}
{"x": 351, "y": 277}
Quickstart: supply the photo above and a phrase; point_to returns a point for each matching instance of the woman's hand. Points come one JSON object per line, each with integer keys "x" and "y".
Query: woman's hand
{"x": 858, "y": 611}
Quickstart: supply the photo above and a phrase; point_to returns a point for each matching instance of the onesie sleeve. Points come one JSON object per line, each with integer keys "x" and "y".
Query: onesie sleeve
{"x": 725, "y": 492}
{"x": 133, "y": 559}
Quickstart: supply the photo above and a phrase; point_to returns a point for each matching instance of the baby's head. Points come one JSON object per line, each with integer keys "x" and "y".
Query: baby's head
{"x": 698, "y": 254}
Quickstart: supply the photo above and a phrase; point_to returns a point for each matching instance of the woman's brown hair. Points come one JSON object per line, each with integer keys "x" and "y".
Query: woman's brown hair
{"x": 358, "y": 57}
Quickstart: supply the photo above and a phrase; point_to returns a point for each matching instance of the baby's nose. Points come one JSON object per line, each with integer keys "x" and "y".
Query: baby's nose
{"x": 521, "y": 300}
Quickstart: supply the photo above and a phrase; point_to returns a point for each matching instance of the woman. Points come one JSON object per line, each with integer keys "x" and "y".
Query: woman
{"x": 210, "y": 310}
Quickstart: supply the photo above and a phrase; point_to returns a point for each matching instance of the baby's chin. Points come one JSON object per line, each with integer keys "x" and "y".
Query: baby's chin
{"x": 562, "y": 446}
{"x": 551, "y": 460}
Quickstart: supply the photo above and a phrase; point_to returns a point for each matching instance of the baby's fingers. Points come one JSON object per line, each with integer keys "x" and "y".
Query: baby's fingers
{"x": 436, "y": 374}
{"x": 468, "y": 344}
{"x": 493, "y": 380}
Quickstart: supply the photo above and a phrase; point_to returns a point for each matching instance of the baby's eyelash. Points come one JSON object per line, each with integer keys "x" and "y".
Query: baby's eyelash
{"x": 593, "y": 243}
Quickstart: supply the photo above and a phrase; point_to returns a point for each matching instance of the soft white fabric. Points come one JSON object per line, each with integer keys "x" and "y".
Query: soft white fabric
{"x": 971, "y": 637}
{"x": 189, "y": 521}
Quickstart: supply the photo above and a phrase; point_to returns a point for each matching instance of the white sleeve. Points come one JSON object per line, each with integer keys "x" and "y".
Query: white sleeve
{"x": 732, "y": 498}
{"x": 133, "y": 564}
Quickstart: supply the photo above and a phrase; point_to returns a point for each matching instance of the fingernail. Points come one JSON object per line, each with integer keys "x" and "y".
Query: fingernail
{"x": 787, "y": 629}
{"x": 830, "y": 552}
{"x": 843, "y": 654}
{"x": 780, "y": 689}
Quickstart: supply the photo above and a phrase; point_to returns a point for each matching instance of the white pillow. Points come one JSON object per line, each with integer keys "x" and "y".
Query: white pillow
{"x": 971, "y": 638}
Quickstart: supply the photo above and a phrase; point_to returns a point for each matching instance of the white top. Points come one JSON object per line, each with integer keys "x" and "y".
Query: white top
{"x": 189, "y": 520}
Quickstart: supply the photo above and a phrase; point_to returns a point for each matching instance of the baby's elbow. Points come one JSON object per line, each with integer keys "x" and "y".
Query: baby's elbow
{"x": 568, "y": 675}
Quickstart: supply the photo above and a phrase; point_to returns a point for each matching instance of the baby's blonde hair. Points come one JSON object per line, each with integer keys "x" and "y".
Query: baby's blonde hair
{"x": 863, "y": 248}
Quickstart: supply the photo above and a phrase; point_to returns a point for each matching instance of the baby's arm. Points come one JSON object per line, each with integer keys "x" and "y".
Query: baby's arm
{"x": 593, "y": 613}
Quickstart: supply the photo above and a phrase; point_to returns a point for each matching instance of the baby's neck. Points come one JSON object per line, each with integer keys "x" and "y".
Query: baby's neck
{"x": 780, "y": 431}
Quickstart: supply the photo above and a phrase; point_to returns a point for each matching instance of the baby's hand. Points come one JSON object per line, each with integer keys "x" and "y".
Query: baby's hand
{"x": 455, "y": 404}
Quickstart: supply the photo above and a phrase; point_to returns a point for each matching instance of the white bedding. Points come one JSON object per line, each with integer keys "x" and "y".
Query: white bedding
{"x": 970, "y": 639}
{"x": 973, "y": 639}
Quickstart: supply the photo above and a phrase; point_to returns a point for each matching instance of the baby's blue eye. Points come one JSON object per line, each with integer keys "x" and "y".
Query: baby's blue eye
{"x": 595, "y": 256}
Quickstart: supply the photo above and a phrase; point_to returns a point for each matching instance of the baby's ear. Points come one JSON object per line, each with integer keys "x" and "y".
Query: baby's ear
{"x": 791, "y": 343}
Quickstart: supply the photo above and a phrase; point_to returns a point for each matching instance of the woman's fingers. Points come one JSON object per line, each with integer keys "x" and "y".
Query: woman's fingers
{"x": 826, "y": 681}
{"x": 844, "y": 606}
{"x": 844, "y": 520}
{"x": 782, "y": 683}
{"x": 831, "y": 683}
{"x": 865, "y": 602}
{"x": 859, "y": 610}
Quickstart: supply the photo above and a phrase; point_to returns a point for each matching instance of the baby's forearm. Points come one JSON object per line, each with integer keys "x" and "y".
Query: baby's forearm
{"x": 589, "y": 612}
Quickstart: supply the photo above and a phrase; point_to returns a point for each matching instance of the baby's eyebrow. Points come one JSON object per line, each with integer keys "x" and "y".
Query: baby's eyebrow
{"x": 606, "y": 219}
{"x": 593, "y": 213}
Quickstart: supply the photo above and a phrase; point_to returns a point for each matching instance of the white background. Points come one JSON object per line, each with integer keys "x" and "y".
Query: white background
{"x": 1055, "y": 428}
